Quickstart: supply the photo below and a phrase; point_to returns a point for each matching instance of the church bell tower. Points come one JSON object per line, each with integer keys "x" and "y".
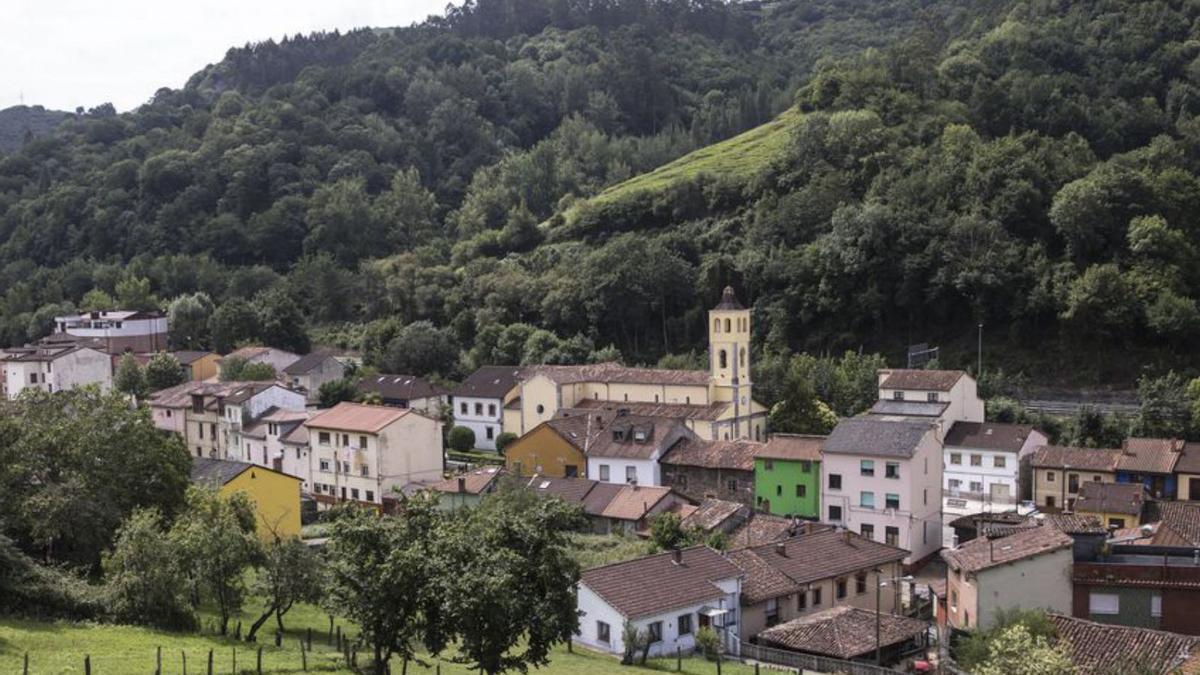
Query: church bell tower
{"x": 729, "y": 358}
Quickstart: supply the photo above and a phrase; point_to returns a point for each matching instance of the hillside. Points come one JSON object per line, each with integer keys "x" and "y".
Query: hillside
{"x": 21, "y": 122}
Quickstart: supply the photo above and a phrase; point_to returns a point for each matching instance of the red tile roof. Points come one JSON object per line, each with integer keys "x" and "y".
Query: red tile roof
{"x": 1098, "y": 648}
{"x": 842, "y": 632}
{"x": 615, "y": 372}
{"x": 657, "y": 584}
{"x": 1125, "y": 498}
{"x": 982, "y": 553}
{"x": 681, "y": 411}
{"x": 795, "y": 447}
{"x": 1150, "y": 455}
{"x": 347, "y": 416}
{"x": 473, "y": 483}
{"x": 1084, "y": 459}
{"x": 989, "y": 435}
{"x": 732, "y": 455}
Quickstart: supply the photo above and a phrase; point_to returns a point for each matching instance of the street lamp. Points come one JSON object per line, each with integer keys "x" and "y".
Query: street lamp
{"x": 880, "y": 583}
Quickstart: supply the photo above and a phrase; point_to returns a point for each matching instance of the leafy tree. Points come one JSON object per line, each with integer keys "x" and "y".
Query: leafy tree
{"x": 42, "y": 591}
{"x": 421, "y": 349}
{"x": 133, "y": 293}
{"x": 164, "y": 370}
{"x": 291, "y": 572}
{"x": 235, "y": 321}
{"x": 280, "y": 323}
{"x": 1015, "y": 651}
{"x": 461, "y": 439}
{"x": 1164, "y": 406}
{"x": 504, "y": 440}
{"x": 130, "y": 377}
{"x": 334, "y": 392}
{"x": 144, "y": 575}
{"x": 189, "y": 317}
{"x": 238, "y": 369}
{"x": 96, "y": 300}
{"x": 668, "y": 533}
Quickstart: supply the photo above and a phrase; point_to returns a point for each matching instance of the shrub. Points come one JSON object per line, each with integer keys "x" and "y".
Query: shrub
{"x": 503, "y": 440}
{"x": 708, "y": 642}
{"x": 461, "y": 439}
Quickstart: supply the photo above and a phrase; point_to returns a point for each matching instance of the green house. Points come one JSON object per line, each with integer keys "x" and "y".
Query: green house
{"x": 787, "y": 476}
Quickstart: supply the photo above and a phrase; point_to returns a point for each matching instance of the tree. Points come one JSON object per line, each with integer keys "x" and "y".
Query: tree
{"x": 189, "y": 317}
{"x": 668, "y": 533}
{"x": 130, "y": 377}
{"x": 144, "y": 581}
{"x": 216, "y": 536}
{"x": 238, "y": 369}
{"x": 503, "y": 440}
{"x": 164, "y": 370}
{"x": 291, "y": 572}
{"x": 133, "y": 293}
{"x": 232, "y": 323}
{"x": 280, "y": 322}
{"x": 96, "y": 300}
{"x": 1165, "y": 411}
{"x": 1016, "y": 651}
{"x": 420, "y": 348}
{"x": 335, "y": 391}
{"x": 461, "y": 439}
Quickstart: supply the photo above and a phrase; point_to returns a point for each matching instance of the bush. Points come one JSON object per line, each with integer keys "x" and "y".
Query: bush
{"x": 36, "y": 591}
{"x": 503, "y": 440}
{"x": 144, "y": 580}
{"x": 708, "y": 642}
{"x": 461, "y": 439}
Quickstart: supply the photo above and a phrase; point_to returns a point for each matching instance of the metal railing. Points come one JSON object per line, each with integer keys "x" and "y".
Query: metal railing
{"x": 821, "y": 664}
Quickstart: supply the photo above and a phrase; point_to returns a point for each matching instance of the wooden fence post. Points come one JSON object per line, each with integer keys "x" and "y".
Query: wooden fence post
{"x": 278, "y": 638}
{"x": 310, "y": 637}
{"x": 678, "y": 658}
{"x": 303, "y": 656}
{"x": 237, "y": 632}
{"x": 339, "y": 638}
{"x": 87, "y": 664}
{"x": 258, "y": 666}
{"x": 755, "y": 669}
{"x": 26, "y": 669}
{"x": 330, "y": 639}
{"x": 233, "y": 670}
{"x": 210, "y": 672}
{"x": 184, "y": 655}
{"x": 718, "y": 662}
{"x": 158, "y": 660}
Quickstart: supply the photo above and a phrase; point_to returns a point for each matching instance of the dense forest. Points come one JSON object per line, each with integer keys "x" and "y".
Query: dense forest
{"x": 435, "y": 195}
{"x": 21, "y": 123}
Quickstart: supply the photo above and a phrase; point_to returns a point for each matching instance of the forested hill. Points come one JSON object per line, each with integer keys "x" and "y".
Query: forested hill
{"x": 20, "y": 123}
{"x": 424, "y": 193}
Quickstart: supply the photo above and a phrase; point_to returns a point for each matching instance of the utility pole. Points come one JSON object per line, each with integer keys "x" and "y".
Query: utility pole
{"x": 878, "y": 640}
{"x": 979, "y": 352}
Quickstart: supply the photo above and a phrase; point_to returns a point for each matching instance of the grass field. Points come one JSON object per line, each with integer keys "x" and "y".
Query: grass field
{"x": 59, "y": 648}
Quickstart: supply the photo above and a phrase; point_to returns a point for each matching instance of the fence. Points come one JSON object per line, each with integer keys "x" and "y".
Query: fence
{"x": 821, "y": 664}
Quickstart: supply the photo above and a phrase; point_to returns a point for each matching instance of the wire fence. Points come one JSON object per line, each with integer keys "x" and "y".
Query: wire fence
{"x": 802, "y": 662}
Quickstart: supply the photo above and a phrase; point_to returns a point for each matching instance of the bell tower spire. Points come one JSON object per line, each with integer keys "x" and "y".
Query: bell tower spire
{"x": 729, "y": 358}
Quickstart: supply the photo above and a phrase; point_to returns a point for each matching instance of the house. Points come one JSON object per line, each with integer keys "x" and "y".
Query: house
{"x": 1150, "y": 462}
{"x": 1098, "y": 649}
{"x": 1187, "y": 472}
{"x": 247, "y": 404}
{"x": 667, "y": 596}
{"x": 787, "y": 475}
{"x": 406, "y": 391}
{"x": 711, "y": 469}
{"x": 817, "y": 568}
{"x": 947, "y": 396}
{"x": 714, "y": 516}
{"x": 364, "y": 453}
{"x": 1027, "y": 569}
{"x": 850, "y": 634}
{"x": 261, "y": 440}
{"x": 726, "y": 385}
{"x": 987, "y": 465}
{"x": 278, "y": 359}
{"x": 1117, "y": 505}
{"x": 276, "y": 495}
{"x": 479, "y": 402}
{"x": 54, "y": 368}
{"x": 627, "y": 448}
{"x": 555, "y": 447}
{"x": 611, "y": 508}
{"x": 762, "y": 528}
{"x": 1060, "y": 470}
{"x": 117, "y": 330}
{"x": 882, "y": 477}
{"x": 198, "y": 365}
{"x": 988, "y": 523}
{"x": 210, "y": 415}
{"x": 307, "y": 373}
{"x": 467, "y": 489}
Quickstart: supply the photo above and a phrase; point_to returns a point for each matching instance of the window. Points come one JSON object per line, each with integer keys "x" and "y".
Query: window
{"x": 835, "y": 513}
{"x": 345, "y": 467}
{"x": 956, "y": 458}
{"x": 603, "y": 632}
{"x": 866, "y": 499}
{"x": 654, "y": 631}
{"x": 354, "y": 493}
{"x": 892, "y": 470}
{"x": 478, "y": 408}
{"x": 541, "y": 409}
{"x": 722, "y": 359}
{"x": 200, "y": 430}
{"x": 490, "y": 432}
{"x": 323, "y": 438}
{"x": 953, "y": 600}
{"x": 860, "y": 584}
{"x": 805, "y": 465}
{"x": 932, "y": 397}
{"x": 570, "y": 471}
{"x": 370, "y": 495}
{"x": 924, "y": 496}
{"x": 731, "y": 485}
{"x": 976, "y": 460}
{"x": 801, "y": 490}
{"x": 816, "y": 597}
{"x": 362, "y": 442}
{"x": 891, "y": 535}
{"x": 772, "y": 612}
{"x": 866, "y": 467}
{"x": 1117, "y": 523}
{"x": 892, "y": 501}
{"x": 1050, "y": 501}
{"x": 868, "y": 531}
{"x": 768, "y": 465}
{"x": 604, "y": 473}
{"x": 955, "y": 484}
{"x": 1156, "y": 604}
{"x": 463, "y": 407}
{"x": 1049, "y": 476}
{"x": 1104, "y": 603}
{"x": 801, "y": 601}
{"x": 325, "y": 465}
{"x": 835, "y": 481}
{"x": 491, "y": 410}
{"x": 976, "y": 486}
{"x": 685, "y": 624}
{"x": 1073, "y": 482}
{"x": 999, "y": 461}
{"x": 727, "y": 326}
{"x": 630, "y": 474}
{"x": 778, "y": 490}
{"x": 682, "y": 480}
{"x": 364, "y": 470}
{"x": 841, "y": 589}
{"x": 897, "y": 396}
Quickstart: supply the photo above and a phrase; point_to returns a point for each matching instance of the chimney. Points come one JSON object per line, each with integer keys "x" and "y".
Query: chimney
{"x": 781, "y": 549}
{"x": 462, "y": 484}
{"x": 677, "y": 556}
{"x": 991, "y": 550}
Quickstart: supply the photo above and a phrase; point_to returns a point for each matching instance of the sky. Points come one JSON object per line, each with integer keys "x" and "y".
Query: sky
{"x": 67, "y": 53}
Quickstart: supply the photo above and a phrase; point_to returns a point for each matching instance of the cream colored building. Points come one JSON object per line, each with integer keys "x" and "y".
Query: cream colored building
{"x": 364, "y": 453}
{"x": 716, "y": 404}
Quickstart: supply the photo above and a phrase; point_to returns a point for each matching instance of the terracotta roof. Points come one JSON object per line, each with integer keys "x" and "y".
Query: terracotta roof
{"x": 1111, "y": 498}
{"x": 1189, "y": 459}
{"x": 309, "y": 362}
{"x": 580, "y": 431}
{"x": 473, "y": 483}
{"x": 189, "y": 357}
{"x": 729, "y": 300}
{"x": 1085, "y": 459}
{"x": 571, "y": 490}
{"x": 923, "y": 380}
{"x": 247, "y": 352}
{"x": 297, "y": 436}
{"x": 713, "y": 513}
{"x": 180, "y": 396}
{"x": 795, "y": 447}
{"x": 607, "y": 433}
{"x": 809, "y": 556}
{"x": 733, "y": 455}
{"x": 607, "y": 500}
{"x": 490, "y": 382}
{"x": 407, "y": 387}
{"x": 615, "y": 372}
{"x": 1178, "y": 523}
{"x": 1149, "y": 455}
{"x": 989, "y": 435}
{"x": 1072, "y": 523}
{"x": 972, "y": 520}
{"x": 682, "y": 411}
{"x": 656, "y": 584}
{"x": 761, "y": 529}
{"x": 348, "y": 416}
{"x": 842, "y": 632}
{"x": 1097, "y": 647}
{"x": 876, "y": 436}
{"x": 633, "y": 501}
{"x": 599, "y": 497}
{"x": 982, "y": 553}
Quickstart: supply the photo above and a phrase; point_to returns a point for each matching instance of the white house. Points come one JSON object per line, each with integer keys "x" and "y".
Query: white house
{"x": 629, "y": 448}
{"x": 310, "y": 371}
{"x": 479, "y": 402}
{"x": 983, "y": 466}
{"x": 406, "y": 391}
{"x": 668, "y": 596}
{"x": 261, "y": 441}
{"x": 54, "y": 368}
{"x": 947, "y": 396}
{"x": 118, "y": 330}
{"x": 882, "y": 478}
{"x": 245, "y": 405}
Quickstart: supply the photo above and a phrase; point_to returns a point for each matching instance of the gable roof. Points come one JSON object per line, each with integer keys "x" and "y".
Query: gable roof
{"x": 1085, "y": 459}
{"x": 632, "y": 502}
{"x": 729, "y": 455}
{"x": 491, "y": 382}
{"x": 347, "y": 416}
{"x": 1096, "y": 647}
{"x": 843, "y": 632}
{"x": 1125, "y": 498}
{"x": 180, "y": 395}
{"x": 1149, "y": 455}
{"x": 811, "y": 555}
{"x": 682, "y": 411}
{"x": 1189, "y": 459}
{"x": 989, "y": 435}
{"x": 1178, "y": 523}
{"x": 473, "y": 483}
{"x": 218, "y": 472}
{"x": 604, "y": 500}
{"x": 188, "y": 357}
{"x": 876, "y": 436}
{"x": 406, "y": 387}
{"x": 657, "y": 583}
{"x": 793, "y": 447}
{"x": 1075, "y": 523}
{"x": 309, "y": 362}
{"x": 921, "y": 380}
{"x": 609, "y": 433}
{"x": 761, "y": 528}
{"x": 712, "y": 513}
{"x": 617, "y": 373}
{"x": 982, "y": 553}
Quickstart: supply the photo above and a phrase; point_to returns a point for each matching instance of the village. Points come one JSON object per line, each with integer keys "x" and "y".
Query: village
{"x": 875, "y": 548}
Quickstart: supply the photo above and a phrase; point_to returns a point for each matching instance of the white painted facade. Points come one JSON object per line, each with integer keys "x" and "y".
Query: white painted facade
{"x": 362, "y": 466}
{"x": 646, "y": 472}
{"x": 72, "y": 368}
{"x": 238, "y": 414}
{"x": 987, "y": 477}
{"x": 963, "y": 402}
{"x": 1037, "y": 582}
{"x": 484, "y": 416}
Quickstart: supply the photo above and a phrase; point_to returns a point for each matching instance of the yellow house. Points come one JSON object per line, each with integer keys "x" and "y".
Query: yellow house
{"x": 200, "y": 366}
{"x": 553, "y": 448}
{"x": 1117, "y": 505}
{"x": 1060, "y": 471}
{"x": 717, "y": 403}
{"x": 276, "y": 495}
